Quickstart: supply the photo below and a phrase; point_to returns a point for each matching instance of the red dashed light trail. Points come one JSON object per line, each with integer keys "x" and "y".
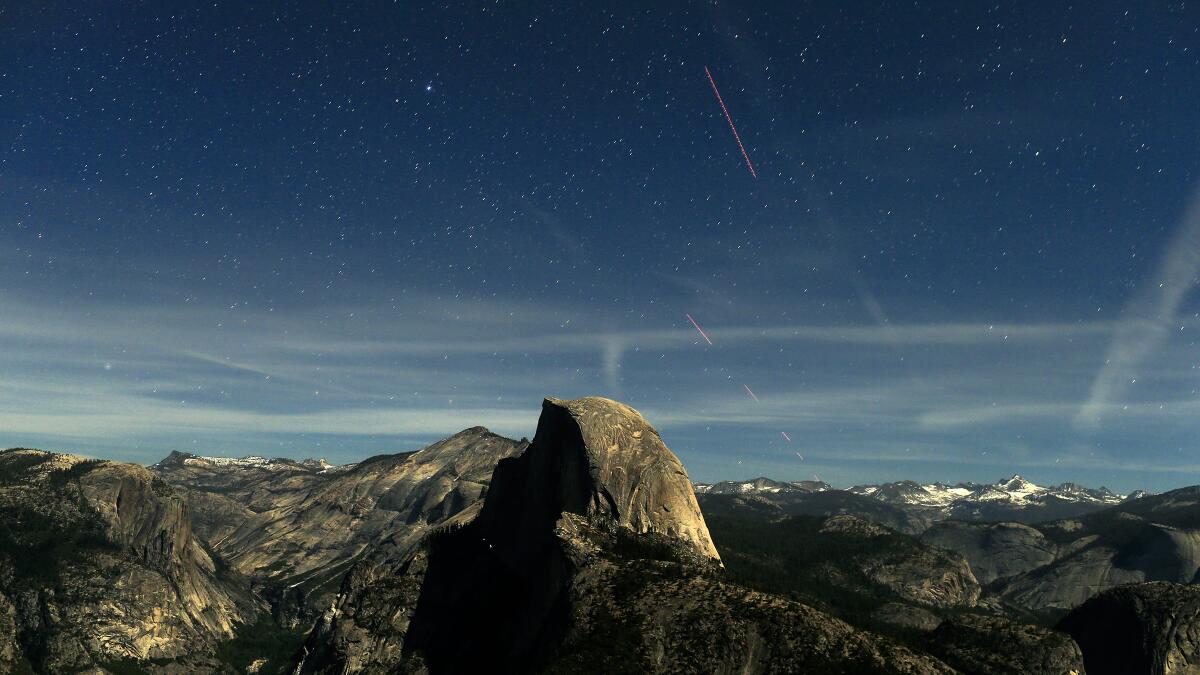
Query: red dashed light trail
{"x": 702, "y": 334}
{"x": 737, "y": 137}
{"x": 749, "y": 391}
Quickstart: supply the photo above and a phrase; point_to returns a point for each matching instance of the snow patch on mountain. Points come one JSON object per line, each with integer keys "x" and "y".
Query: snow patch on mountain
{"x": 760, "y": 486}
{"x": 1015, "y": 491}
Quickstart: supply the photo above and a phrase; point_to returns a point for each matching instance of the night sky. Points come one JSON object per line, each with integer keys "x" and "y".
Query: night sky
{"x": 340, "y": 229}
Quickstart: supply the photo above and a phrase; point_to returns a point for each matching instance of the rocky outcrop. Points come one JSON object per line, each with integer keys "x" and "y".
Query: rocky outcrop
{"x": 906, "y": 616}
{"x": 994, "y": 550}
{"x": 1140, "y": 629}
{"x": 98, "y": 563}
{"x": 992, "y": 645}
{"x": 588, "y": 552}
{"x": 645, "y": 611}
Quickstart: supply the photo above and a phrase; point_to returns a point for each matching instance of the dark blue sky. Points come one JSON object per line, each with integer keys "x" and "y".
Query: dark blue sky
{"x": 313, "y": 230}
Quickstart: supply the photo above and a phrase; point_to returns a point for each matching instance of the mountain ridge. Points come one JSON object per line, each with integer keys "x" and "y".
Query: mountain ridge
{"x": 1013, "y": 498}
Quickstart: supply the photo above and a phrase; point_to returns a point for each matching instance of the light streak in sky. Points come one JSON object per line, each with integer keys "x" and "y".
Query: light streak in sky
{"x": 737, "y": 137}
{"x": 702, "y": 334}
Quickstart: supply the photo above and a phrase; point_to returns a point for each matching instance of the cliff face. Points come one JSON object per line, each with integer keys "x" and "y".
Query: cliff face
{"x": 588, "y": 552}
{"x": 98, "y": 563}
{"x": 297, "y": 527}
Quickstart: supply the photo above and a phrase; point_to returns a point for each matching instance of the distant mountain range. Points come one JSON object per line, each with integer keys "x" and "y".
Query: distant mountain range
{"x": 1012, "y": 498}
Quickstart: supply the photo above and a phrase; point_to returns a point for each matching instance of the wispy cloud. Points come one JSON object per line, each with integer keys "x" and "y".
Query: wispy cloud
{"x": 140, "y": 380}
{"x": 1148, "y": 319}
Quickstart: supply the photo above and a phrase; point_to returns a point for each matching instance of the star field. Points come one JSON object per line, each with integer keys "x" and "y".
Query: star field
{"x": 970, "y": 249}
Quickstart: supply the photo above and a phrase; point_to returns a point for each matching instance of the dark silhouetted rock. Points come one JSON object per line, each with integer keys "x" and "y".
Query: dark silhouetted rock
{"x": 1141, "y": 629}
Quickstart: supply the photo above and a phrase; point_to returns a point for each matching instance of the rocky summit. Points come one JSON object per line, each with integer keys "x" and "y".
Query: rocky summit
{"x": 587, "y": 549}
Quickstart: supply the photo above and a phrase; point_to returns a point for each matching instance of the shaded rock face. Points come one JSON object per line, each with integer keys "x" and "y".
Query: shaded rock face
{"x": 98, "y": 563}
{"x": 1151, "y": 628}
{"x": 1068, "y": 582}
{"x": 994, "y": 550}
{"x": 588, "y": 553}
{"x": 991, "y": 645}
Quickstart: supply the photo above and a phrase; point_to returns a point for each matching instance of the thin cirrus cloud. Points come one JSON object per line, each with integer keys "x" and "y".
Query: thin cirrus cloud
{"x": 1149, "y": 319}
{"x": 135, "y": 381}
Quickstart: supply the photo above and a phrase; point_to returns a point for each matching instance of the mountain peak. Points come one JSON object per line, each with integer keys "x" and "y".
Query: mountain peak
{"x": 176, "y": 458}
{"x": 473, "y": 431}
{"x": 1016, "y": 484}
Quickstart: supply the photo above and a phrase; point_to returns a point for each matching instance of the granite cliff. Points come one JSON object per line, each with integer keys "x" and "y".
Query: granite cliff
{"x": 99, "y": 565}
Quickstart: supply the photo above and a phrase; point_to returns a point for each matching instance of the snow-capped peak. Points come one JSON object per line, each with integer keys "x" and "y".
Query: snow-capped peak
{"x": 1016, "y": 491}
{"x": 1005, "y": 498}
{"x": 1017, "y": 484}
